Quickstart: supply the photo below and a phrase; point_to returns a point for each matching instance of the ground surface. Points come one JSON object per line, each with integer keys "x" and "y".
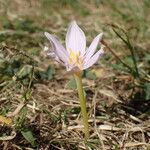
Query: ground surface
{"x": 39, "y": 106}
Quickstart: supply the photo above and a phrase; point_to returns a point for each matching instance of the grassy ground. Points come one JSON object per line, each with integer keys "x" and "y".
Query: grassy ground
{"x": 39, "y": 100}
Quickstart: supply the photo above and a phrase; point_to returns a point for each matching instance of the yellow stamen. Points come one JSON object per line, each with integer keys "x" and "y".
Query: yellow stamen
{"x": 75, "y": 58}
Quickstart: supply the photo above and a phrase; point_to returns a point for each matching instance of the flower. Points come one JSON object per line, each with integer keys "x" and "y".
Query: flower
{"x": 76, "y": 56}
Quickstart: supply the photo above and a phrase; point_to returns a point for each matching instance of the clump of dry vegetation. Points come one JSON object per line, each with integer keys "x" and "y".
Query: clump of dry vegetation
{"x": 39, "y": 107}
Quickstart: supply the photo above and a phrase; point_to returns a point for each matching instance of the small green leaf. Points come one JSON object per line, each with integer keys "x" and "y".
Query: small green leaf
{"x": 24, "y": 71}
{"x": 27, "y": 134}
{"x": 147, "y": 89}
{"x": 71, "y": 84}
{"x": 90, "y": 75}
{"x": 50, "y": 72}
{"x": 20, "y": 119}
{"x": 128, "y": 60}
{"x": 25, "y": 25}
{"x": 147, "y": 59}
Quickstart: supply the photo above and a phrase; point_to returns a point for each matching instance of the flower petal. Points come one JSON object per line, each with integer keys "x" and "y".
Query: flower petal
{"x": 59, "y": 50}
{"x": 75, "y": 38}
{"x": 93, "y": 59}
{"x": 92, "y": 48}
{"x": 53, "y": 55}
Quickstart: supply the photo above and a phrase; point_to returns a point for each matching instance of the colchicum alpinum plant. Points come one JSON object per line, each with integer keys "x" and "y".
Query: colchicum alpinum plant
{"x": 76, "y": 58}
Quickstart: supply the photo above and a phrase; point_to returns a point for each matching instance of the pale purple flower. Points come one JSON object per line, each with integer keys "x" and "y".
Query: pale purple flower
{"x": 75, "y": 55}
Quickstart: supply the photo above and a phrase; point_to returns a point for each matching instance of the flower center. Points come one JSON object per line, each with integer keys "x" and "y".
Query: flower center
{"x": 75, "y": 58}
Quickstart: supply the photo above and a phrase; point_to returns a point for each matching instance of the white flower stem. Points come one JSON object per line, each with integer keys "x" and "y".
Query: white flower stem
{"x": 82, "y": 99}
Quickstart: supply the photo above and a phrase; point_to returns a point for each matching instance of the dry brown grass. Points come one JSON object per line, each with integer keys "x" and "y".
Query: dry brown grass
{"x": 118, "y": 117}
